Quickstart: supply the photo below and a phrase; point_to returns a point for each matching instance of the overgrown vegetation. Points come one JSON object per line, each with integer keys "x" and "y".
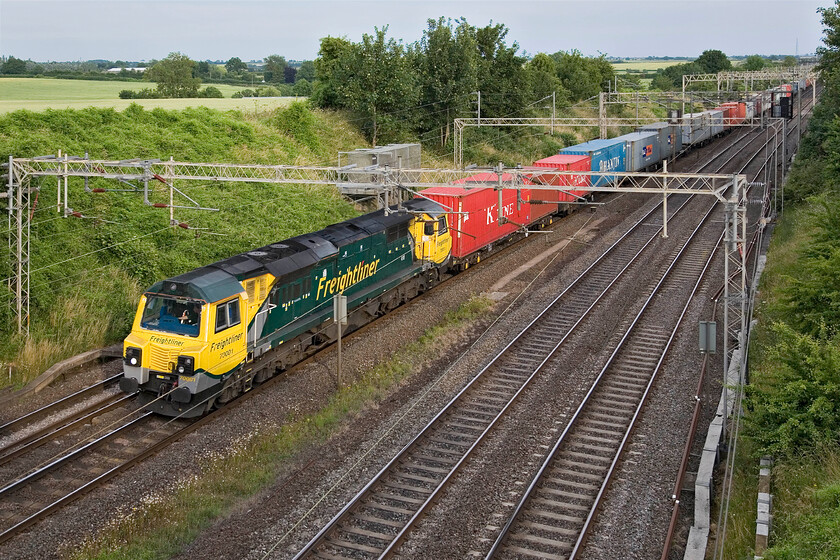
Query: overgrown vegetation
{"x": 87, "y": 272}
{"x": 163, "y": 524}
{"x": 400, "y": 91}
{"x": 793, "y": 402}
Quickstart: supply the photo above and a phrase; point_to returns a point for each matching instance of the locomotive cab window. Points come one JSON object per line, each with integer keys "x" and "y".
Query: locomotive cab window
{"x": 429, "y": 228}
{"x": 227, "y": 315}
{"x": 442, "y": 225}
{"x": 172, "y": 315}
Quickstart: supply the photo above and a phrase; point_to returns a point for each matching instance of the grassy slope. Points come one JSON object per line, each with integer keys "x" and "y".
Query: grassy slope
{"x": 789, "y": 239}
{"x": 91, "y": 296}
{"x": 806, "y": 505}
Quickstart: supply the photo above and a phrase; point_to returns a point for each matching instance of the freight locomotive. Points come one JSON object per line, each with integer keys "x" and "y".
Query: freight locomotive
{"x": 201, "y": 338}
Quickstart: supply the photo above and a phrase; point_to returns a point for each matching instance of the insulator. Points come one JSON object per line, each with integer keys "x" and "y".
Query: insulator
{"x": 98, "y": 190}
{"x": 183, "y": 225}
{"x": 159, "y": 178}
{"x": 76, "y": 214}
{"x": 160, "y": 205}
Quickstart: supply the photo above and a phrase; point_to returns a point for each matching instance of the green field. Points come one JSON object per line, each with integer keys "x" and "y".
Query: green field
{"x": 38, "y": 94}
{"x": 644, "y": 65}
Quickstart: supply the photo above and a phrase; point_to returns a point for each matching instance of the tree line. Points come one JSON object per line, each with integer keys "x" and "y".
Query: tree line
{"x": 400, "y": 91}
{"x": 795, "y": 409}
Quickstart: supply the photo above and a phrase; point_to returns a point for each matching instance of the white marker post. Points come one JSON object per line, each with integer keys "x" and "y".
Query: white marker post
{"x": 340, "y": 318}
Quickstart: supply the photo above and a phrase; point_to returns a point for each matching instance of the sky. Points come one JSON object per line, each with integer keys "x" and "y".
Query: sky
{"x": 135, "y": 30}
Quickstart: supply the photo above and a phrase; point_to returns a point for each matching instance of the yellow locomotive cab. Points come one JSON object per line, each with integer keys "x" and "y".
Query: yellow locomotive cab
{"x": 180, "y": 345}
{"x": 432, "y": 240}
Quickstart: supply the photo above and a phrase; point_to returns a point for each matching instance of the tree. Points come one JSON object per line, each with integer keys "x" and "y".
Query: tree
{"x": 446, "y": 62}
{"x": 380, "y": 85}
{"x": 202, "y": 69}
{"x": 372, "y": 78}
{"x": 334, "y": 54}
{"x": 662, "y": 82}
{"x": 754, "y": 62}
{"x": 174, "y": 76}
{"x": 501, "y": 75}
{"x": 830, "y": 53}
{"x": 13, "y": 66}
{"x": 306, "y": 71}
{"x": 541, "y": 73}
{"x": 302, "y": 88}
{"x": 713, "y": 61}
{"x": 235, "y": 66}
{"x": 583, "y": 77}
{"x": 289, "y": 74}
{"x": 275, "y": 66}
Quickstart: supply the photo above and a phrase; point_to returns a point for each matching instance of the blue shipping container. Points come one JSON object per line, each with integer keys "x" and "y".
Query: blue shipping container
{"x": 607, "y": 155}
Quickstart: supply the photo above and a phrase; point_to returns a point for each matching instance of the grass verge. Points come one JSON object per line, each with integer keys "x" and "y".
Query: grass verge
{"x": 790, "y": 238}
{"x": 162, "y": 524}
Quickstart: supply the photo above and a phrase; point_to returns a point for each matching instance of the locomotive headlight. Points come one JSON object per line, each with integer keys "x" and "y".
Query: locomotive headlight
{"x": 132, "y": 356}
{"x": 185, "y": 365}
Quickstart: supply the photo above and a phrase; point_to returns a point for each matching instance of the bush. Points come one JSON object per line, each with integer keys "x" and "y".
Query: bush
{"x": 799, "y": 407}
{"x": 144, "y": 93}
{"x": 298, "y": 122}
{"x": 210, "y": 92}
{"x": 268, "y": 91}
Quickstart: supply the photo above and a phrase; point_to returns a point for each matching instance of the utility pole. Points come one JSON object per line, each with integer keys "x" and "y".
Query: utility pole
{"x": 553, "y": 110}
{"x": 340, "y": 318}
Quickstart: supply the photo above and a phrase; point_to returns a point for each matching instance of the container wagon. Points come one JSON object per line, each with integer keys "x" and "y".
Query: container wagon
{"x": 473, "y": 214}
{"x": 642, "y": 150}
{"x": 572, "y": 187}
{"x": 670, "y": 138}
{"x": 605, "y": 155}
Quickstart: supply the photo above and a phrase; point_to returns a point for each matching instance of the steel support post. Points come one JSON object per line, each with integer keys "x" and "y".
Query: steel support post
{"x": 66, "y": 188}
{"x": 58, "y": 191}
{"x": 664, "y": 200}
{"x": 735, "y": 279}
{"x": 602, "y": 116}
{"x": 459, "y": 145}
{"x": 20, "y": 229}
{"x": 799, "y": 121}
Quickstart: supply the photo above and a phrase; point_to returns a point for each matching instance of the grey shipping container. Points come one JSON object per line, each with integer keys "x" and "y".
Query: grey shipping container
{"x": 715, "y": 121}
{"x": 670, "y": 138}
{"x": 695, "y": 128}
{"x": 642, "y": 150}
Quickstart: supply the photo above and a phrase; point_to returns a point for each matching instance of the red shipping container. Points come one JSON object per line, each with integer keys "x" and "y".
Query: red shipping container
{"x": 474, "y": 216}
{"x": 739, "y": 111}
{"x": 728, "y": 113}
{"x": 561, "y": 162}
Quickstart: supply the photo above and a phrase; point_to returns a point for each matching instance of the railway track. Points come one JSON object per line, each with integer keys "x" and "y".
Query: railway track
{"x": 31, "y": 497}
{"x": 557, "y": 508}
{"x": 554, "y": 514}
{"x": 56, "y": 407}
{"x": 375, "y": 522}
{"x": 30, "y": 506}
